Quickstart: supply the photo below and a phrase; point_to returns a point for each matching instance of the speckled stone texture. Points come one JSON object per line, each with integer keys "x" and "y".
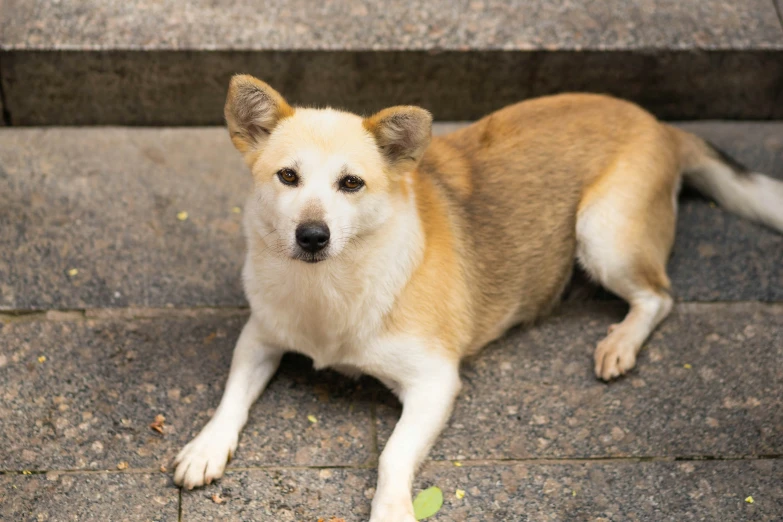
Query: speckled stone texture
{"x": 89, "y": 404}
{"x": 533, "y": 394}
{"x": 284, "y": 495}
{"x": 338, "y": 25}
{"x": 591, "y": 491}
{"x": 716, "y": 254}
{"x": 105, "y": 202}
{"x": 61, "y": 497}
{"x": 158, "y": 62}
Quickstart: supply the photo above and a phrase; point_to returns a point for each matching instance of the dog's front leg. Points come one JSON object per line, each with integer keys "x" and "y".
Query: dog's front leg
{"x": 427, "y": 394}
{"x": 205, "y": 457}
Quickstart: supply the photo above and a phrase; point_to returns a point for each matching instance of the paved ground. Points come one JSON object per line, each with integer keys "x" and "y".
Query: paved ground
{"x": 113, "y": 311}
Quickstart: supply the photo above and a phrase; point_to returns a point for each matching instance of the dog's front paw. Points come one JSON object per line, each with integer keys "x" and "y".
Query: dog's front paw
{"x": 204, "y": 459}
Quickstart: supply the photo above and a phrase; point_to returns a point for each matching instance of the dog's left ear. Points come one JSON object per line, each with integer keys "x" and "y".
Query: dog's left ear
{"x": 253, "y": 109}
{"x": 402, "y": 134}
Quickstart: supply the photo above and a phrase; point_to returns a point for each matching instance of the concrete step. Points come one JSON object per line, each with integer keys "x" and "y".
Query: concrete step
{"x": 163, "y": 62}
{"x": 104, "y": 203}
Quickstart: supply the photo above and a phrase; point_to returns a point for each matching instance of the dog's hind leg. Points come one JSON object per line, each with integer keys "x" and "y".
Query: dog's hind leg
{"x": 625, "y": 230}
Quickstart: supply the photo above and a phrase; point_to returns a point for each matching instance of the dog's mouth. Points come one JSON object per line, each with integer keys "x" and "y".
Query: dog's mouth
{"x": 309, "y": 257}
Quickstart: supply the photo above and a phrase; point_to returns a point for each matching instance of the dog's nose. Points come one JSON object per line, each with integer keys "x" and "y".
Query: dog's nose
{"x": 312, "y": 237}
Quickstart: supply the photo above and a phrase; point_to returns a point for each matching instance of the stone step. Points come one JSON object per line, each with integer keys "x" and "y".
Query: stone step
{"x": 88, "y": 219}
{"x": 162, "y": 62}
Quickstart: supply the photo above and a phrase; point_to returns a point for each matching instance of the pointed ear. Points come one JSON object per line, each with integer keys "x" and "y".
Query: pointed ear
{"x": 253, "y": 109}
{"x": 402, "y": 134}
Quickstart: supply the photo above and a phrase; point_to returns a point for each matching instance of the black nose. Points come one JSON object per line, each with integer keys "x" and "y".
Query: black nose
{"x": 312, "y": 237}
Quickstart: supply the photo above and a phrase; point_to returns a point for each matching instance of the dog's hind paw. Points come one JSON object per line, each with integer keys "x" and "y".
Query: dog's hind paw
{"x": 614, "y": 358}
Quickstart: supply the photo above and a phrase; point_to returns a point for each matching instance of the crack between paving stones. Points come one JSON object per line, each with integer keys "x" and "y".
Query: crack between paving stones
{"x": 463, "y": 463}
{"x": 179, "y": 506}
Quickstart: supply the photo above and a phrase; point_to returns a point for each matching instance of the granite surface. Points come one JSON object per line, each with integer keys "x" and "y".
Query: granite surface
{"x": 717, "y": 253}
{"x": 81, "y": 394}
{"x": 105, "y": 201}
{"x": 590, "y": 491}
{"x": 162, "y": 62}
{"x": 707, "y": 384}
{"x": 189, "y": 87}
{"x": 417, "y": 25}
{"x": 61, "y": 497}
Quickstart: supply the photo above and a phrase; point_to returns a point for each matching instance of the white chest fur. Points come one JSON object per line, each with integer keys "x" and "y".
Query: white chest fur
{"x": 332, "y": 311}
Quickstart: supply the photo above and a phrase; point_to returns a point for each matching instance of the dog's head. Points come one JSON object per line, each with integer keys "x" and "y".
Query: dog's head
{"x": 324, "y": 179}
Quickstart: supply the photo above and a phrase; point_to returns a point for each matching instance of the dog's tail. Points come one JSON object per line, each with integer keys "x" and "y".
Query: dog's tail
{"x": 715, "y": 174}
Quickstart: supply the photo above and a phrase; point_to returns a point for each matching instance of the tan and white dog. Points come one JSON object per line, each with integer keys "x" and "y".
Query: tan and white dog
{"x": 374, "y": 249}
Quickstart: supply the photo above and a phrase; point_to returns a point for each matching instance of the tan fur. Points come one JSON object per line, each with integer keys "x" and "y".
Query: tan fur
{"x": 516, "y": 182}
{"x": 436, "y": 302}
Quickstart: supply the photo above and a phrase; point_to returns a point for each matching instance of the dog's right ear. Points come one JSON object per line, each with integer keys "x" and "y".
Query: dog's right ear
{"x": 253, "y": 109}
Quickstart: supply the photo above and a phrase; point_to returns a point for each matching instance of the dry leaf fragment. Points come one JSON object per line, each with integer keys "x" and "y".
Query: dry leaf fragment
{"x": 42, "y": 359}
{"x": 157, "y": 424}
{"x": 749, "y": 500}
{"x": 460, "y": 494}
{"x": 687, "y": 366}
{"x": 458, "y": 463}
{"x": 163, "y": 469}
{"x": 335, "y": 519}
{"x": 217, "y": 499}
{"x": 211, "y": 337}
{"x": 26, "y": 472}
{"x": 236, "y": 210}
{"x": 312, "y": 419}
{"x": 122, "y": 465}
{"x": 182, "y": 216}
{"x": 73, "y": 271}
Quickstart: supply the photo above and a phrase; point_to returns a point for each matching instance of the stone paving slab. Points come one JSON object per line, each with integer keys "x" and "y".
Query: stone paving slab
{"x": 418, "y": 25}
{"x": 89, "y": 404}
{"x": 60, "y": 497}
{"x": 105, "y": 202}
{"x": 533, "y": 393}
{"x": 590, "y": 491}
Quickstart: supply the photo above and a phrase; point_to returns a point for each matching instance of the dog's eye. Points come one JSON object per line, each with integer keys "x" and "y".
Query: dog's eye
{"x": 288, "y": 176}
{"x": 351, "y": 183}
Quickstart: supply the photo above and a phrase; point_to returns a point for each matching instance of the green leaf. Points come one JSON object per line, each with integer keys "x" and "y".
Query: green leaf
{"x": 427, "y": 503}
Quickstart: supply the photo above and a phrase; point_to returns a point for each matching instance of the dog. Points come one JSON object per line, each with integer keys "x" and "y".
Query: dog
{"x": 374, "y": 249}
